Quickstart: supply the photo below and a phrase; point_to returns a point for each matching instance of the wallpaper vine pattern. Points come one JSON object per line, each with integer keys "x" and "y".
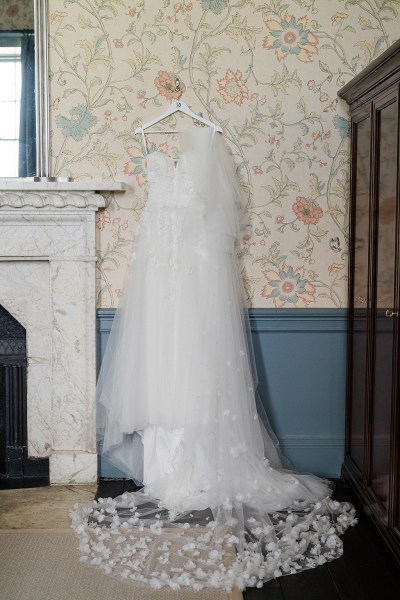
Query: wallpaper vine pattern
{"x": 268, "y": 72}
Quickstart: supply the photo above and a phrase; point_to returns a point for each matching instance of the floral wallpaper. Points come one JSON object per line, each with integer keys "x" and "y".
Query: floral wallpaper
{"x": 16, "y": 14}
{"x": 268, "y": 73}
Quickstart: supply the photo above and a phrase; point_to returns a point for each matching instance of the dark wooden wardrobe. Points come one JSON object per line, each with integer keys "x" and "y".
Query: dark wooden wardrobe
{"x": 372, "y": 460}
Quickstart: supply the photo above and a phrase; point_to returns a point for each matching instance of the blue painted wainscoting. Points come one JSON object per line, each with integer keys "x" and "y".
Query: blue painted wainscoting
{"x": 301, "y": 363}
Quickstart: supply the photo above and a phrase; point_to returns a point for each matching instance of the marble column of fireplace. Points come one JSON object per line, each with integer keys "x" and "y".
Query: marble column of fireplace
{"x": 47, "y": 283}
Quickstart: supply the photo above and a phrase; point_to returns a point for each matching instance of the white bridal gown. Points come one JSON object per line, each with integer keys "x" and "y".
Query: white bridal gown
{"x": 178, "y": 407}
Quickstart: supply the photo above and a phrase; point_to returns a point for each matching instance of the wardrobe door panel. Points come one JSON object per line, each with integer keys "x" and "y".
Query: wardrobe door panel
{"x": 386, "y": 303}
{"x": 361, "y": 217}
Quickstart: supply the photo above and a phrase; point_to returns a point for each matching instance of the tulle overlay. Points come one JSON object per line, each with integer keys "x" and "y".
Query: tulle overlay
{"x": 178, "y": 411}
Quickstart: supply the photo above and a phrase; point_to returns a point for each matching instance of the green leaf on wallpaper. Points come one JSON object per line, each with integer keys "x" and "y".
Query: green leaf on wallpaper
{"x": 101, "y": 130}
{"x": 152, "y": 37}
{"x": 371, "y": 49}
{"x": 390, "y": 9}
{"x": 85, "y": 22}
{"x": 240, "y": 27}
{"x": 324, "y": 67}
{"x": 110, "y": 259}
{"x": 298, "y": 144}
{"x": 199, "y": 85}
{"x": 290, "y": 163}
{"x": 306, "y": 243}
{"x": 281, "y": 80}
{"x": 335, "y": 211}
{"x": 141, "y": 63}
{"x": 177, "y": 57}
{"x": 241, "y": 3}
{"x": 99, "y": 45}
{"x": 304, "y": 128}
{"x": 274, "y": 6}
{"x": 101, "y": 155}
{"x": 342, "y": 125}
{"x": 316, "y": 185}
{"x": 301, "y": 105}
{"x": 316, "y": 25}
{"x": 207, "y": 59}
{"x": 364, "y": 23}
{"x": 349, "y": 28}
{"x": 276, "y": 111}
{"x": 69, "y": 92}
{"x": 318, "y": 233}
{"x": 75, "y": 60}
{"x": 95, "y": 81}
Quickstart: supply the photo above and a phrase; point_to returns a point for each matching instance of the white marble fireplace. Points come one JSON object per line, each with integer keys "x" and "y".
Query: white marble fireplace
{"x": 47, "y": 283}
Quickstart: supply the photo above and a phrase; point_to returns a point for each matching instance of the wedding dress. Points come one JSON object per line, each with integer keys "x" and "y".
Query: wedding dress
{"x": 177, "y": 406}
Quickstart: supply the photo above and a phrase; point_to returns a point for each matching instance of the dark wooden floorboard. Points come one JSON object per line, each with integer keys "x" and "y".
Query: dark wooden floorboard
{"x": 313, "y": 584}
{"x": 110, "y": 488}
{"x": 270, "y": 591}
{"x": 130, "y": 486}
{"x": 366, "y": 571}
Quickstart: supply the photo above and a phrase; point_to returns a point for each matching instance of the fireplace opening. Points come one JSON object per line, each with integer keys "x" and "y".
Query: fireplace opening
{"x": 17, "y": 469}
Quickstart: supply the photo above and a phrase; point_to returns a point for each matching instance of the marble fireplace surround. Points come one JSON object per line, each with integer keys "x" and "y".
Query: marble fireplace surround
{"x": 47, "y": 282}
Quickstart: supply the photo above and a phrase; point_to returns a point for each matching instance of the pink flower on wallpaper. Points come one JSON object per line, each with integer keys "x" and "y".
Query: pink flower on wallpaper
{"x": 307, "y": 211}
{"x": 290, "y": 36}
{"x": 118, "y": 43}
{"x": 231, "y": 87}
{"x": 102, "y": 219}
{"x": 165, "y": 84}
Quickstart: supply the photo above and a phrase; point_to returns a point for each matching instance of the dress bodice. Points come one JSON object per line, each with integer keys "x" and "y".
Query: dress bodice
{"x": 169, "y": 185}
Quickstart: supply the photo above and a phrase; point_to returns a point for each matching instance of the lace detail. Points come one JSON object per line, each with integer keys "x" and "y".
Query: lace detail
{"x": 169, "y": 185}
{"x": 140, "y": 540}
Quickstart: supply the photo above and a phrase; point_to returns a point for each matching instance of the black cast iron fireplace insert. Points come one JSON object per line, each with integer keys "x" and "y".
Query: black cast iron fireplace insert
{"x": 17, "y": 469}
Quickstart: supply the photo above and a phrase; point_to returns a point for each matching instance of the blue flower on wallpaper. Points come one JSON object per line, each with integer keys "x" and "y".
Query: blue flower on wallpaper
{"x": 80, "y": 123}
{"x": 290, "y": 36}
{"x": 288, "y": 285}
{"x": 216, "y": 6}
{"x": 343, "y": 125}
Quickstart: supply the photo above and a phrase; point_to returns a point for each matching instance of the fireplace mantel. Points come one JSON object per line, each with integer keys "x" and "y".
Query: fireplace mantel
{"x": 47, "y": 282}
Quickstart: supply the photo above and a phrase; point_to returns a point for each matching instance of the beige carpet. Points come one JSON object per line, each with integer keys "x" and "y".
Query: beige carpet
{"x": 44, "y": 565}
{"x": 39, "y": 559}
{"x": 43, "y": 507}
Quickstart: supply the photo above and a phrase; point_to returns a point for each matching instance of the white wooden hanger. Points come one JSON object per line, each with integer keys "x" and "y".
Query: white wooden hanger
{"x": 177, "y": 106}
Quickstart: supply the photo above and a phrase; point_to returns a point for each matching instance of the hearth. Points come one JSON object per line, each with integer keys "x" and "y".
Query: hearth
{"x": 16, "y": 468}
